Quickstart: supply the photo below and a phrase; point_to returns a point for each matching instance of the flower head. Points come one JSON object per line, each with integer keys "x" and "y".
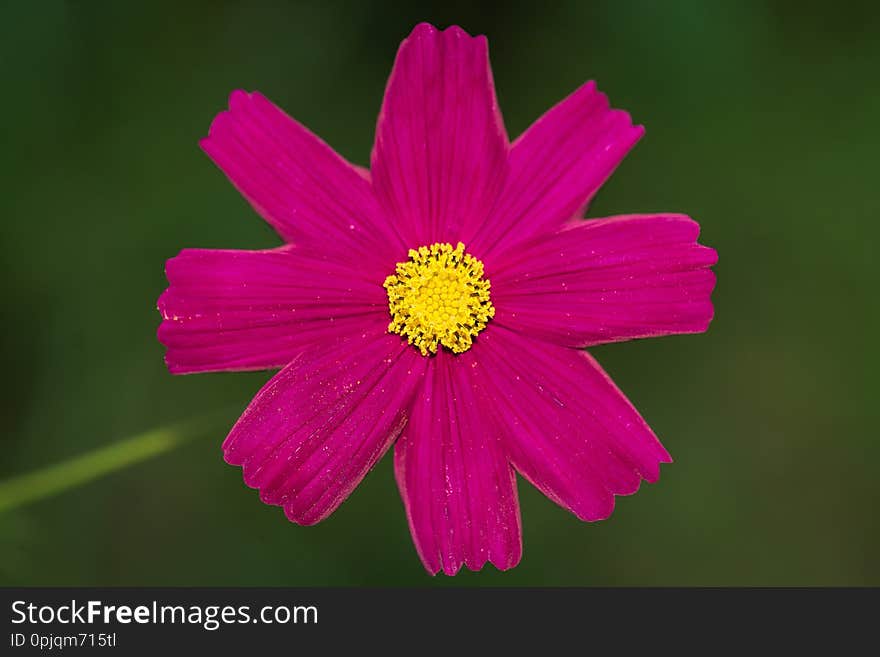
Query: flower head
{"x": 439, "y": 303}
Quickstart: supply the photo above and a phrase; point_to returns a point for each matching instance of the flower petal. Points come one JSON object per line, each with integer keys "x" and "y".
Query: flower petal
{"x": 241, "y": 310}
{"x": 608, "y": 280}
{"x": 458, "y": 488}
{"x": 568, "y": 429}
{"x": 556, "y": 167}
{"x": 441, "y": 149}
{"x": 315, "y": 430}
{"x": 303, "y": 188}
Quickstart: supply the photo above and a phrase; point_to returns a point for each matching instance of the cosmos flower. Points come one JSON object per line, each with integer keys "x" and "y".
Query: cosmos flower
{"x": 437, "y": 303}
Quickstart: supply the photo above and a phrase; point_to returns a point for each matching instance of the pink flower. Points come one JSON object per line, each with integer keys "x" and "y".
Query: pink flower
{"x": 464, "y": 354}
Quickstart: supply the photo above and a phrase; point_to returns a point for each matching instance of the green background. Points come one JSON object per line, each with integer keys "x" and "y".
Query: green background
{"x": 761, "y": 123}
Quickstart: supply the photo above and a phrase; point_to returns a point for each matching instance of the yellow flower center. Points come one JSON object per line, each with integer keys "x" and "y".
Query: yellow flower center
{"x": 439, "y": 296}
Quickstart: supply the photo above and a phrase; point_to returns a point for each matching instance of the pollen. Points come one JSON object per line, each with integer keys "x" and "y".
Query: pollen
{"x": 439, "y": 297}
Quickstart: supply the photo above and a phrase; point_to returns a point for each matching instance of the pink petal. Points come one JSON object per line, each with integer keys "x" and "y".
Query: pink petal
{"x": 441, "y": 150}
{"x": 303, "y": 188}
{"x": 315, "y": 430}
{"x": 556, "y": 167}
{"x": 608, "y": 280}
{"x": 568, "y": 429}
{"x": 239, "y": 310}
{"x": 458, "y": 489}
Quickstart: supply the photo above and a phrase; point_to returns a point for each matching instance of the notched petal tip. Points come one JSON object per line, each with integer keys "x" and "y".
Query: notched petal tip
{"x": 237, "y": 101}
{"x": 644, "y": 478}
{"x": 239, "y": 97}
{"x": 451, "y": 570}
{"x": 628, "y": 132}
{"x": 162, "y": 332}
{"x": 598, "y": 100}
{"x": 426, "y": 32}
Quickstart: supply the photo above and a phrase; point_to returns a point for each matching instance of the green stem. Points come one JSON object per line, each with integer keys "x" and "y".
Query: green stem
{"x": 54, "y": 479}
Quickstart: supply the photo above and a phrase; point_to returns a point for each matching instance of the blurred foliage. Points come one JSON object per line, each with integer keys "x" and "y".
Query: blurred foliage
{"x": 761, "y": 123}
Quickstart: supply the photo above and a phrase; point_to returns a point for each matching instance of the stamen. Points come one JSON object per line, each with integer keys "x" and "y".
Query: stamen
{"x": 439, "y": 296}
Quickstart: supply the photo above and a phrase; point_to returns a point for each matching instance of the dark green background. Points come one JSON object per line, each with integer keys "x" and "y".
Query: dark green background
{"x": 761, "y": 123}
